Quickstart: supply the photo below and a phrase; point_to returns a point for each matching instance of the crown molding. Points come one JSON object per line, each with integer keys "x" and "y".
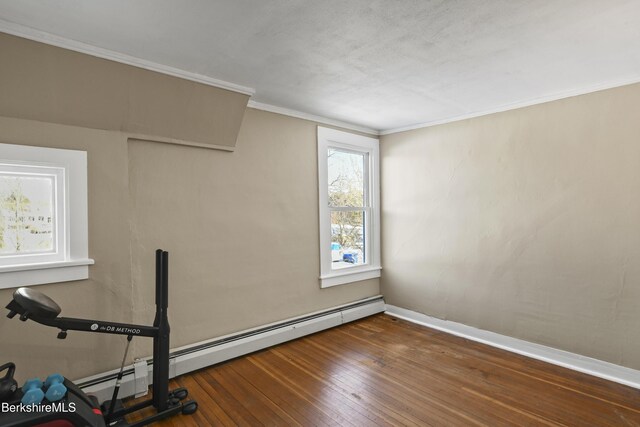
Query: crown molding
{"x": 76, "y": 46}
{"x": 23, "y": 31}
{"x": 311, "y": 117}
{"x": 520, "y": 104}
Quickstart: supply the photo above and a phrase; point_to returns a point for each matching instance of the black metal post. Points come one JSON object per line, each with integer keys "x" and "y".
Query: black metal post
{"x": 162, "y": 389}
{"x": 160, "y": 331}
{"x": 156, "y": 323}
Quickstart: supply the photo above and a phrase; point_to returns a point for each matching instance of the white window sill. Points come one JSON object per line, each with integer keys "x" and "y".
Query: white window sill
{"x": 341, "y": 277}
{"x": 13, "y": 276}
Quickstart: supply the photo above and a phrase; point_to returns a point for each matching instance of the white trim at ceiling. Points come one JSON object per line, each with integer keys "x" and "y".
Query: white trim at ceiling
{"x": 20, "y": 30}
{"x": 23, "y": 31}
{"x": 311, "y": 117}
{"x": 51, "y": 39}
{"x": 521, "y": 104}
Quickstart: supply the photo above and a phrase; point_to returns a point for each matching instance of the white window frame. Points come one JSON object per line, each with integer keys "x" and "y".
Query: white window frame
{"x": 345, "y": 141}
{"x": 70, "y": 259}
{"x": 59, "y": 244}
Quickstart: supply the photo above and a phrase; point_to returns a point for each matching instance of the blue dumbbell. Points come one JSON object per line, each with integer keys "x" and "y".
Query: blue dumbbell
{"x": 33, "y": 393}
{"x": 56, "y": 390}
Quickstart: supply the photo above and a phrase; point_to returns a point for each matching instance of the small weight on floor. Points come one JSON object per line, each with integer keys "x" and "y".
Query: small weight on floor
{"x": 55, "y": 387}
{"x": 33, "y": 393}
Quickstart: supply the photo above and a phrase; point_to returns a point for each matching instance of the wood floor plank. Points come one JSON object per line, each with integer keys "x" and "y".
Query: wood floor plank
{"x": 383, "y": 371}
{"x": 417, "y": 394}
{"x": 460, "y": 371}
{"x": 347, "y": 410}
{"x": 330, "y": 413}
{"x": 367, "y": 392}
{"x": 501, "y": 384}
{"x": 523, "y": 365}
{"x": 576, "y": 382}
{"x": 365, "y": 387}
{"x": 207, "y": 414}
{"x": 231, "y": 404}
{"x": 341, "y": 390}
{"x": 299, "y": 408}
{"x": 252, "y": 399}
{"x": 416, "y": 387}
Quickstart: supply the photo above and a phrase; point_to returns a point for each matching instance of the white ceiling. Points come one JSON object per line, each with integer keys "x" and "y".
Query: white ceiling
{"x": 382, "y": 64}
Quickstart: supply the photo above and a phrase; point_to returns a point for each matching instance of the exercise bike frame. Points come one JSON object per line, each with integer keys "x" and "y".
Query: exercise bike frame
{"x": 162, "y": 398}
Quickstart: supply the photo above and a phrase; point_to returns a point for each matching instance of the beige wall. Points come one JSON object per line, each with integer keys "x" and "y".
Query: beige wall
{"x": 524, "y": 223}
{"x": 241, "y": 229}
{"x": 51, "y": 84}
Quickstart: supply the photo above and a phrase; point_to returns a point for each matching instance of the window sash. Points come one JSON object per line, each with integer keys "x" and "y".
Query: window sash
{"x": 366, "y": 236}
{"x": 347, "y": 142}
{"x": 348, "y": 208}
{"x": 71, "y": 202}
{"x": 365, "y": 208}
{"x": 60, "y": 246}
{"x": 365, "y": 172}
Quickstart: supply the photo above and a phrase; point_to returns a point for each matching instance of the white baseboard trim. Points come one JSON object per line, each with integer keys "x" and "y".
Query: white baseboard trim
{"x": 576, "y": 362}
{"x": 201, "y": 355}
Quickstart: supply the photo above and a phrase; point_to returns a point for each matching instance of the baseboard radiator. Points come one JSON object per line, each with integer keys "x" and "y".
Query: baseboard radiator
{"x": 138, "y": 377}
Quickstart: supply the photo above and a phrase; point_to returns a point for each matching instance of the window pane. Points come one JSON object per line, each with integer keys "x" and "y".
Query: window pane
{"x": 346, "y": 178}
{"x": 26, "y": 214}
{"x": 347, "y": 239}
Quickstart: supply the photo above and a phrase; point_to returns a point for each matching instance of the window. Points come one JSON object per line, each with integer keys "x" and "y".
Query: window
{"x": 43, "y": 215}
{"x": 348, "y": 175}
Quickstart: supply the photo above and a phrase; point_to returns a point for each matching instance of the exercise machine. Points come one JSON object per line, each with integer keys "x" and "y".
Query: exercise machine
{"x": 30, "y": 304}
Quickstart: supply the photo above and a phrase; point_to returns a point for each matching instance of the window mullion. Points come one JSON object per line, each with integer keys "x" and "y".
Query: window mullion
{"x": 347, "y": 208}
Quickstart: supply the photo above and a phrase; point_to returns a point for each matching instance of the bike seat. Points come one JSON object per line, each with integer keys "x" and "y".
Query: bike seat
{"x": 36, "y": 303}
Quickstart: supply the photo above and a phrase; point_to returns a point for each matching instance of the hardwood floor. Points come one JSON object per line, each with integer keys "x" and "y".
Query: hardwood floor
{"x": 383, "y": 371}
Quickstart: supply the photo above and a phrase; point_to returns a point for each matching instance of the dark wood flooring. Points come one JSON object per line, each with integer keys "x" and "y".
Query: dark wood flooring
{"x": 382, "y": 371}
